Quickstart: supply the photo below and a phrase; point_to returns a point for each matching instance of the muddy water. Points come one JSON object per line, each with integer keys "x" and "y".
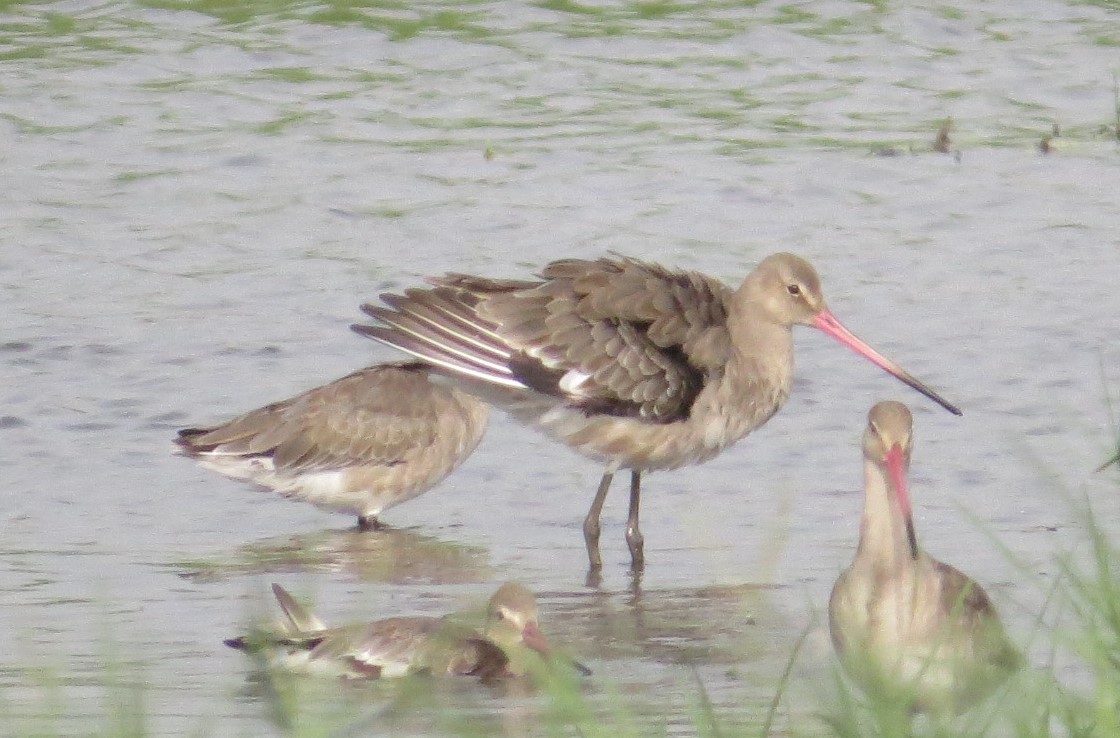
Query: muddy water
{"x": 198, "y": 197}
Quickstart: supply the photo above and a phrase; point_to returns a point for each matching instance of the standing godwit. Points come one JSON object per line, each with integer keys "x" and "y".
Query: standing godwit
{"x": 906, "y": 626}
{"x": 508, "y": 645}
{"x": 629, "y": 363}
{"x": 361, "y": 444}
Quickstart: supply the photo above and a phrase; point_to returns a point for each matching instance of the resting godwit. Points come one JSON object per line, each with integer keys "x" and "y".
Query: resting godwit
{"x": 627, "y": 362}
{"x": 360, "y": 445}
{"x": 906, "y": 626}
{"x": 507, "y": 646}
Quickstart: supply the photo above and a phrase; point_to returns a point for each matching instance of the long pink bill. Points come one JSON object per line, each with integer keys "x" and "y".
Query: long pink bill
{"x": 532, "y": 637}
{"x": 896, "y": 467}
{"x": 827, "y": 322}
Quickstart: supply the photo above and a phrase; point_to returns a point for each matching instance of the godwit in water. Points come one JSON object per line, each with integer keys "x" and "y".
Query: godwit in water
{"x": 508, "y": 645}
{"x": 359, "y": 445}
{"x": 635, "y": 365}
{"x": 906, "y": 626}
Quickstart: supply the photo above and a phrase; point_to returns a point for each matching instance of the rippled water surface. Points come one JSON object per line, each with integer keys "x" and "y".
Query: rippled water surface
{"x": 200, "y": 194}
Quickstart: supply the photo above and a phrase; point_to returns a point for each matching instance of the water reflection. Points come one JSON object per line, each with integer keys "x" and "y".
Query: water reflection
{"x": 716, "y": 624}
{"x": 418, "y": 705}
{"x": 391, "y": 556}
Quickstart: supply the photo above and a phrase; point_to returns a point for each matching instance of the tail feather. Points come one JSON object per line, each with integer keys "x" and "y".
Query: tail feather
{"x": 300, "y": 618}
{"x": 188, "y": 443}
{"x": 220, "y": 440}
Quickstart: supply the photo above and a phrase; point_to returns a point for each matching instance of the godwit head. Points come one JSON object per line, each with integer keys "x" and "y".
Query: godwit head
{"x": 887, "y": 444}
{"x": 512, "y": 619}
{"x": 787, "y": 291}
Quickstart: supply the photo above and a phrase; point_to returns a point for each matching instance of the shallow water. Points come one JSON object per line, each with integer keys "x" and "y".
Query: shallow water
{"x": 200, "y": 195}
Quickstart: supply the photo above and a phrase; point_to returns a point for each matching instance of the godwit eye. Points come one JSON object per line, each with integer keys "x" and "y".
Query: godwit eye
{"x": 793, "y": 289}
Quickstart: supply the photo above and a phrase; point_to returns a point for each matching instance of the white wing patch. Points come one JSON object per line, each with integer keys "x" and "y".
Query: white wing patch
{"x": 572, "y": 381}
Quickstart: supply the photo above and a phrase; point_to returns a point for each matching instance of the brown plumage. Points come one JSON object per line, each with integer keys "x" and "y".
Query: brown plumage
{"x": 361, "y": 444}
{"x": 906, "y": 626}
{"x": 509, "y": 644}
{"x": 635, "y": 365}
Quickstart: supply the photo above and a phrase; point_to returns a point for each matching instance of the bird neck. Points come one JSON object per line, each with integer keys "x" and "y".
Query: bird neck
{"x": 520, "y": 658}
{"x": 882, "y": 536}
{"x": 760, "y": 347}
{"x": 501, "y": 632}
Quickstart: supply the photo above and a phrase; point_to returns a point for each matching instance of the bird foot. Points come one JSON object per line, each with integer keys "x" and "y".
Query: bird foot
{"x": 636, "y": 542}
{"x": 369, "y": 522}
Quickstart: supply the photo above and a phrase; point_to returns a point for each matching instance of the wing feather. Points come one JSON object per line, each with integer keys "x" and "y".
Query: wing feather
{"x": 613, "y": 335}
{"x": 377, "y": 415}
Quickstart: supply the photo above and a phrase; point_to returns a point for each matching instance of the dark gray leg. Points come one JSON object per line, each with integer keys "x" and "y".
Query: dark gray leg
{"x": 591, "y": 527}
{"x": 634, "y": 534}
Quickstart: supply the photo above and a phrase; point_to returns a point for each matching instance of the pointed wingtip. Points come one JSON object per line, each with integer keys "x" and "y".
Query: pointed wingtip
{"x": 362, "y": 330}
{"x": 384, "y": 335}
{"x": 184, "y": 437}
{"x": 184, "y": 441}
{"x": 300, "y": 618}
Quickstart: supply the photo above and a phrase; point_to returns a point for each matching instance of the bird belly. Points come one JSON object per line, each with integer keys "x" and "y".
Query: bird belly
{"x": 721, "y": 415}
{"x": 348, "y": 490}
{"x": 896, "y": 644}
{"x": 635, "y": 443}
